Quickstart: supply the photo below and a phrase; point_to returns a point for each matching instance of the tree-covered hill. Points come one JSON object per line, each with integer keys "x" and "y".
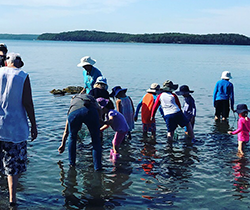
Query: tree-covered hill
{"x": 19, "y": 36}
{"x": 180, "y": 38}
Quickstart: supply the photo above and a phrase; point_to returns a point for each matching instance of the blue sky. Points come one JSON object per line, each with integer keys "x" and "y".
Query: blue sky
{"x": 126, "y": 16}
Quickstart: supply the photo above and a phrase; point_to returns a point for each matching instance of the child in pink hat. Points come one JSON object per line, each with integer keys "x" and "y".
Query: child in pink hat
{"x": 117, "y": 122}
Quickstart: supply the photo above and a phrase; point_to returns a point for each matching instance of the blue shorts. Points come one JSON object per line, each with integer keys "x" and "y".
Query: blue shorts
{"x": 173, "y": 120}
{"x": 13, "y": 157}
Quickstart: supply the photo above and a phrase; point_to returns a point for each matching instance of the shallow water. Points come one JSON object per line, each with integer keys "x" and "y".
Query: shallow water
{"x": 150, "y": 174}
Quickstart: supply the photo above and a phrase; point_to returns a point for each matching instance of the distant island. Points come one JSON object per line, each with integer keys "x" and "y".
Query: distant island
{"x": 99, "y": 36}
{"x": 19, "y": 36}
{"x": 179, "y": 38}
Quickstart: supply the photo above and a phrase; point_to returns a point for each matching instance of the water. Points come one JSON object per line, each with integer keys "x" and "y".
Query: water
{"x": 149, "y": 174}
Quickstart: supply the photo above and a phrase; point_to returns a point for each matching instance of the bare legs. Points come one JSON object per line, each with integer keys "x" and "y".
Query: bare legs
{"x": 12, "y": 183}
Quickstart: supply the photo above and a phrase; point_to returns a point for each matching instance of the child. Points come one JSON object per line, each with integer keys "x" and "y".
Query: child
{"x": 124, "y": 105}
{"x": 146, "y": 105}
{"x": 243, "y": 128}
{"x": 100, "y": 88}
{"x": 118, "y": 123}
{"x": 189, "y": 109}
{"x": 171, "y": 106}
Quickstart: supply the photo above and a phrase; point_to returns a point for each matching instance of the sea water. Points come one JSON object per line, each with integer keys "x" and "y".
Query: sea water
{"x": 149, "y": 174}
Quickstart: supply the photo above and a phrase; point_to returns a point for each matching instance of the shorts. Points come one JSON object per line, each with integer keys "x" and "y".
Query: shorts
{"x": 173, "y": 120}
{"x": 222, "y": 108}
{"x": 149, "y": 127}
{"x": 13, "y": 157}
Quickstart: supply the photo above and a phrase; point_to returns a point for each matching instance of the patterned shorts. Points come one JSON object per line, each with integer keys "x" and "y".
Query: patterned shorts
{"x": 150, "y": 127}
{"x": 13, "y": 157}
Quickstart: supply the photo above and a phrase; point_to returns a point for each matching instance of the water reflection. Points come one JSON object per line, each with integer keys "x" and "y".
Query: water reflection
{"x": 99, "y": 190}
{"x": 241, "y": 177}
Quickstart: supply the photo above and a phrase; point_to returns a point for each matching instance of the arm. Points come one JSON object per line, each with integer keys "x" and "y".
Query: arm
{"x": 107, "y": 123}
{"x": 29, "y": 107}
{"x": 215, "y": 93}
{"x": 118, "y": 105}
{"x": 177, "y": 100}
{"x": 239, "y": 129}
{"x": 155, "y": 107}
{"x": 138, "y": 109}
{"x": 64, "y": 138}
{"x": 232, "y": 97}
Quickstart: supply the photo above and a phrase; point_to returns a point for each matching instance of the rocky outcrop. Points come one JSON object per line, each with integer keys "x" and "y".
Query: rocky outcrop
{"x": 67, "y": 90}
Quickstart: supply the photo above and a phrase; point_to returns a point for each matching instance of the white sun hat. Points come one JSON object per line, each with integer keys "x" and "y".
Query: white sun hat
{"x": 226, "y": 75}
{"x": 86, "y": 60}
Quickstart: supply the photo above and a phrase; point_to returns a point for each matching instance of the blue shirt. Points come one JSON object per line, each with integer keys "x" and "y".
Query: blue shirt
{"x": 90, "y": 78}
{"x": 224, "y": 90}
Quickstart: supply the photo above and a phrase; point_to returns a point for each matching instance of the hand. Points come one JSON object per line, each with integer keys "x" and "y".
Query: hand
{"x": 33, "y": 133}
{"x": 229, "y": 132}
{"x": 61, "y": 149}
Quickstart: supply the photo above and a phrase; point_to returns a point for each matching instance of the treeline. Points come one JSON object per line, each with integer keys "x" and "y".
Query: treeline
{"x": 19, "y": 36}
{"x": 180, "y": 38}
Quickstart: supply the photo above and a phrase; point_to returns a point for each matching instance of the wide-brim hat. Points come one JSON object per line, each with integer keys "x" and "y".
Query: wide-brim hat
{"x": 102, "y": 102}
{"x": 184, "y": 89}
{"x": 16, "y": 59}
{"x": 101, "y": 80}
{"x": 154, "y": 88}
{"x": 241, "y": 108}
{"x": 226, "y": 75}
{"x": 169, "y": 86}
{"x": 116, "y": 90}
{"x": 86, "y": 60}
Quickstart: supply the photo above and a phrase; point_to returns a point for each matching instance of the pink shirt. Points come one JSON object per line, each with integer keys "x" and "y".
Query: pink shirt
{"x": 243, "y": 129}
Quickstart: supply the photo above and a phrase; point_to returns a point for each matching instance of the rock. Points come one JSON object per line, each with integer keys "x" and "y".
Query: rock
{"x": 69, "y": 90}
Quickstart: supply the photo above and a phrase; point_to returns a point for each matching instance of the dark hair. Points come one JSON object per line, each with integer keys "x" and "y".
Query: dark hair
{"x": 3, "y": 48}
{"x": 110, "y": 105}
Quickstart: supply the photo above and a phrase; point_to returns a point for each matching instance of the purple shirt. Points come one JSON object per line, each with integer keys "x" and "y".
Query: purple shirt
{"x": 119, "y": 123}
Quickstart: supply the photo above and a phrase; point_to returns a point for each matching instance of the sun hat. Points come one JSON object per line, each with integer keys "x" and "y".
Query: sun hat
{"x": 183, "y": 90}
{"x": 226, "y": 75}
{"x": 15, "y": 58}
{"x": 241, "y": 108}
{"x": 86, "y": 60}
{"x": 102, "y": 102}
{"x": 116, "y": 90}
{"x": 3, "y": 48}
{"x": 154, "y": 88}
{"x": 101, "y": 80}
{"x": 169, "y": 86}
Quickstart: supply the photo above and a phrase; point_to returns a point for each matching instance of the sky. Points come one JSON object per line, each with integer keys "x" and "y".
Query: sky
{"x": 125, "y": 16}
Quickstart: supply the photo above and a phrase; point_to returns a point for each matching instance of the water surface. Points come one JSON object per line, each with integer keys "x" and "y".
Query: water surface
{"x": 150, "y": 174}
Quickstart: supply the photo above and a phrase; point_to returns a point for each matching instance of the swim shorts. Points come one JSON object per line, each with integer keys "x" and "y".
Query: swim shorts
{"x": 173, "y": 120}
{"x": 13, "y": 157}
{"x": 149, "y": 127}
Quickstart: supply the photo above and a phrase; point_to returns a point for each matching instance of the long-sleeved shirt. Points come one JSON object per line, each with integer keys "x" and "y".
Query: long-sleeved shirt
{"x": 243, "y": 129}
{"x": 224, "y": 90}
{"x": 146, "y": 104}
{"x": 89, "y": 79}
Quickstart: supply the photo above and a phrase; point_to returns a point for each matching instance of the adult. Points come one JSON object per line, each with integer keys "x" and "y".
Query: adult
{"x": 90, "y": 73}
{"x": 15, "y": 103}
{"x": 83, "y": 109}
{"x": 3, "y": 52}
{"x": 100, "y": 88}
{"x": 223, "y": 92}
